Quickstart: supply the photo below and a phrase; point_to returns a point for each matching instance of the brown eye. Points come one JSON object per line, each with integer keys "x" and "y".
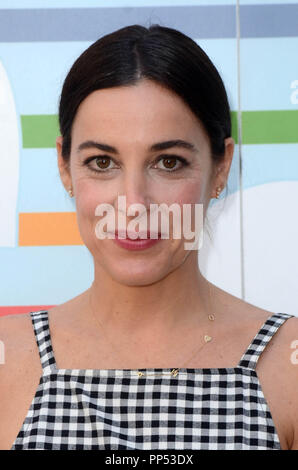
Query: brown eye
{"x": 102, "y": 162}
{"x": 101, "y": 165}
{"x": 169, "y": 162}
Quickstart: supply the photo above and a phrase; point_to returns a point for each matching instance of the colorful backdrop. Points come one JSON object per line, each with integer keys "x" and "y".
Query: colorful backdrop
{"x": 252, "y": 248}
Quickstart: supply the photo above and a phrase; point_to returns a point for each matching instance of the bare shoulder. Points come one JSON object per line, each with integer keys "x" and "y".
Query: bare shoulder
{"x": 20, "y": 370}
{"x": 277, "y": 369}
{"x": 238, "y": 312}
{"x": 285, "y": 355}
{"x": 16, "y": 334}
{"x": 282, "y": 350}
{"x": 20, "y": 350}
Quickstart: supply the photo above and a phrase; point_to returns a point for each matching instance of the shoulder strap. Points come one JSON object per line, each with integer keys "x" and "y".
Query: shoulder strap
{"x": 250, "y": 357}
{"x": 41, "y": 328}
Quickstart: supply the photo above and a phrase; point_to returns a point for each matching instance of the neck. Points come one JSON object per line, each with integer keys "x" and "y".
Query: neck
{"x": 179, "y": 299}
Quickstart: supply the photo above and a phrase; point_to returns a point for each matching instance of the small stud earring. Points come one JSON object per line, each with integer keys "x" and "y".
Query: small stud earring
{"x": 218, "y": 190}
{"x": 70, "y": 192}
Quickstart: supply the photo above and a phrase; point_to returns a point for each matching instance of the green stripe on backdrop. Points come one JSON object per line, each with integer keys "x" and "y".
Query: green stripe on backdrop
{"x": 258, "y": 127}
{"x": 270, "y": 127}
{"x": 39, "y": 130}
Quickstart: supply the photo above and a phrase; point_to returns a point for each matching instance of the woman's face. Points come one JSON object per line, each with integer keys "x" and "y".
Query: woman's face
{"x": 132, "y": 120}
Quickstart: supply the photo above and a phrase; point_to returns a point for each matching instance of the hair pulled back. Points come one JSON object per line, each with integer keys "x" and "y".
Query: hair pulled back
{"x": 158, "y": 53}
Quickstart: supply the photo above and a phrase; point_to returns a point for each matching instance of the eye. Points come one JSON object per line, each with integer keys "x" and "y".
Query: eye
{"x": 170, "y": 162}
{"x": 102, "y": 163}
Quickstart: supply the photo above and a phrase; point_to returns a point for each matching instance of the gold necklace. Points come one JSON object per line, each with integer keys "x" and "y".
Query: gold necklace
{"x": 173, "y": 372}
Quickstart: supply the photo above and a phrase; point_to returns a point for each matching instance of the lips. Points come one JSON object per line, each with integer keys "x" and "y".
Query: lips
{"x": 141, "y": 235}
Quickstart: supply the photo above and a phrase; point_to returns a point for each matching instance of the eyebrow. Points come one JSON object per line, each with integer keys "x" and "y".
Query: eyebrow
{"x": 154, "y": 148}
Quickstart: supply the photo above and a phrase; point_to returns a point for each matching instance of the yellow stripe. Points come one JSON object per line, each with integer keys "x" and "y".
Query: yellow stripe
{"x": 48, "y": 228}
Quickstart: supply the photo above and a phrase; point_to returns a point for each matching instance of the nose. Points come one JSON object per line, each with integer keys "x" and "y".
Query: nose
{"x": 135, "y": 187}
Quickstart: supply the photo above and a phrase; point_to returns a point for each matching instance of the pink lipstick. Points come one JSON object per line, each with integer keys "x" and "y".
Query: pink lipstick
{"x": 137, "y": 244}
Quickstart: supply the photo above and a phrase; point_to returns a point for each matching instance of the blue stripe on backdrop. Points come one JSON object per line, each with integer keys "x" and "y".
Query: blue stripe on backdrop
{"x": 68, "y": 24}
{"x": 35, "y": 275}
{"x": 112, "y": 3}
{"x": 268, "y": 20}
{"x": 267, "y": 2}
{"x": 11, "y": 4}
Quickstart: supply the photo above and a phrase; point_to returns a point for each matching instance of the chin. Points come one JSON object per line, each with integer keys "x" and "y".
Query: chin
{"x": 137, "y": 273}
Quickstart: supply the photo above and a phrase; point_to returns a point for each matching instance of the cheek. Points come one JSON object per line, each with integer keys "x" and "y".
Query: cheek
{"x": 192, "y": 218}
{"x": 88, "y": 195}
{"x": 190, "y": 193}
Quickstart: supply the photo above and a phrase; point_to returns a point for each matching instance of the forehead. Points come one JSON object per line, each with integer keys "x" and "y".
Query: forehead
{"x": 142, "y": 112}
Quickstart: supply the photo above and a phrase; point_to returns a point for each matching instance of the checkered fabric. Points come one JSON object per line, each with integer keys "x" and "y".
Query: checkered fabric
{"x": 92, "y": 409}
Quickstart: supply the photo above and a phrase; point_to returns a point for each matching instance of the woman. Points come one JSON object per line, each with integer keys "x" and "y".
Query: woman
{"x": 152, "y": 355}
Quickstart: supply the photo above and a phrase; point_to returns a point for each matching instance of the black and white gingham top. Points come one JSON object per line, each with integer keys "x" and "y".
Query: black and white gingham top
{"x": 222, "y": 408}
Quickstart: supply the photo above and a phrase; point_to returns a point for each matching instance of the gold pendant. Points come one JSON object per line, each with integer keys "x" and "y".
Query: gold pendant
{"x": 207, "y": 338}
{"x": 174, "y": 372}
{"x": 140, "y": 374}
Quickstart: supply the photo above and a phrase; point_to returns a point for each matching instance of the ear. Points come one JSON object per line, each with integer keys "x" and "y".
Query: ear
{"x": 64, "y": 167}
{"x": 223, "y": 168}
